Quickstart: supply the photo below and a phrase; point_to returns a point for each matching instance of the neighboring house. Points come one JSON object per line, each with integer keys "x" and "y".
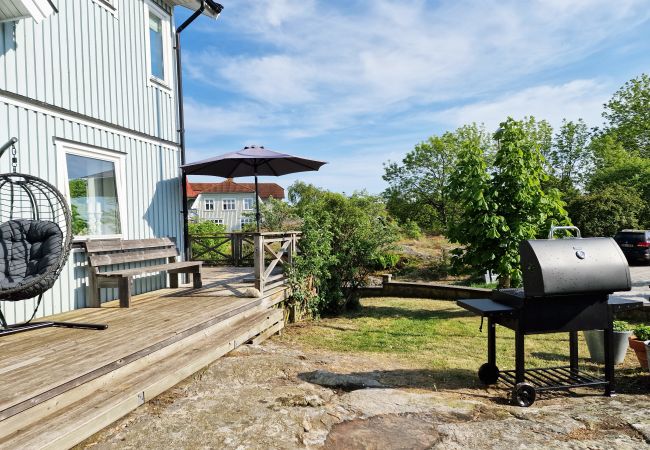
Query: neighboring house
{"x": 228, "y": 203}
{"x": 89, "y": 89}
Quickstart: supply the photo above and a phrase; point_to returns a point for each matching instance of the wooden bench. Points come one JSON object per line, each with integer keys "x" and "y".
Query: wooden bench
{"x": 110, "y": 252}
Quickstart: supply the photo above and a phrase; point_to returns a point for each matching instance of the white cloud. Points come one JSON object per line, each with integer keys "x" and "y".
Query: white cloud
{"x": 573, "y": 100}
{"x": 322, "y": 66}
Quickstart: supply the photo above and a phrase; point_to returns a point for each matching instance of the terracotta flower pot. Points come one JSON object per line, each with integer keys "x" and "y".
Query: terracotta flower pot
{"x": 641, "y": 351}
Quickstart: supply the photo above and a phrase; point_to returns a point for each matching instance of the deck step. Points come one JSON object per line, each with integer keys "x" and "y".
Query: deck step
{"x": 77, "y": 414}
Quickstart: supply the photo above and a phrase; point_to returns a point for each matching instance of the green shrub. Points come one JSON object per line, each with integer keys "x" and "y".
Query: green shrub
{"x": 621, "y": 325}
{"x": 385, "y": 261}
{"x": 411, "y": 229}
{"x": 200, "y": 245}
{"x": 642, "y": 332}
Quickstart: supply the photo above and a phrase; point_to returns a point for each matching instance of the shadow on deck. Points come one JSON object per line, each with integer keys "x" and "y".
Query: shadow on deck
{"x": 60, "y": 386}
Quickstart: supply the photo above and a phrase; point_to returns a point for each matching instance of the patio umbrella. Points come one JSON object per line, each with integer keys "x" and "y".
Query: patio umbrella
{"x": 252, "y": 161}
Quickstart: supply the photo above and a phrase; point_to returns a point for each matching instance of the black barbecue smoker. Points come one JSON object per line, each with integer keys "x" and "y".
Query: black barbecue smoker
{"x": 567, "y": 283}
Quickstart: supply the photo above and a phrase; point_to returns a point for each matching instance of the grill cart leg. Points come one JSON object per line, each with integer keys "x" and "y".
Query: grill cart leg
{"x": 609, "y": 360}
{"x": 573, "y": 351}
{"x": 519, "y": 356}
{"x": 488, "y": 373}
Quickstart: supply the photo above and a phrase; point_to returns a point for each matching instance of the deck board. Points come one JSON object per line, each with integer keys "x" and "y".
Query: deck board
{"x": 39, "y": 361}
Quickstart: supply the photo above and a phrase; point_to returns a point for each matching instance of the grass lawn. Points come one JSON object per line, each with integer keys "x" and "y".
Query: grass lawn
{"x": 441, "y": 339}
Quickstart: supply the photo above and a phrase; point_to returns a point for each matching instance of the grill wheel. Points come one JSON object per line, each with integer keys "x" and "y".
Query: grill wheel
{"x": 488, "y": 374}
{"x": 523, "y": 394}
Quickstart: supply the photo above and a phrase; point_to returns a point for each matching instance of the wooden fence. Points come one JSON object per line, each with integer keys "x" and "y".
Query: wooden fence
{"x": 269, "y": 253}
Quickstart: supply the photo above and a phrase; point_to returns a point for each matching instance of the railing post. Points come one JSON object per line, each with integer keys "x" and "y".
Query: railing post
{"x": 258, "y": 261}
{"x": 234, "y": 249}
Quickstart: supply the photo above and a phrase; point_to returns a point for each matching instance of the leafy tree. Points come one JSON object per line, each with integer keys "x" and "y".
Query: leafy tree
{"x": 628, "y": 116}
{"x": 571, "y": 157}
{"x": 503, "y": 204}
{"x": 607, "y": 211}
{"x": 417, "y": 188}
{"x": 277, "y": 215}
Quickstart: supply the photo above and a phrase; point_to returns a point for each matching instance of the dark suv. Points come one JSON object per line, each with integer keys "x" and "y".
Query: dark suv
{"x": 635, "y": 244}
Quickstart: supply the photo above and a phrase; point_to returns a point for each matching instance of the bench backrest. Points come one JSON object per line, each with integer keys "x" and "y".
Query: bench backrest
{"x": 116, "y": 251}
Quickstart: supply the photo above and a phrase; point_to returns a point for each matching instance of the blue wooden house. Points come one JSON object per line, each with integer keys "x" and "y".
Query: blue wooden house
{"x": 89, "y": 88}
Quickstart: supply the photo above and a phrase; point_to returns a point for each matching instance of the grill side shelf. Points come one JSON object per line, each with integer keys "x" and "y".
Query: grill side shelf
{"x": 487, "y": 308}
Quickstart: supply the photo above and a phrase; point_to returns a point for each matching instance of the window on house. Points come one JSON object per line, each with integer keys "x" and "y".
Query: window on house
{"x": 246, "y": 221}
{"x": 229, "y": 204}
{"x": 209, "y": 205}
{"x": 249, "y": 204}
{"x": 217, "y": 221}
{"x": 93, "y": 182}
{"x": 156, "y": 46}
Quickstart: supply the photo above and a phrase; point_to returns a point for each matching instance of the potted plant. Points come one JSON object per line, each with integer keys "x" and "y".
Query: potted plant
{"x": 638, "y": 343}
{"x": 596, "y": 342}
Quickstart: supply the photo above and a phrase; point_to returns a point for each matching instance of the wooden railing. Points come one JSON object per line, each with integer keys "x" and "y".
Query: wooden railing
{"x": 273, "y": 252}
{"x": 223, "y": 249}
{"x": 269, "y": 253}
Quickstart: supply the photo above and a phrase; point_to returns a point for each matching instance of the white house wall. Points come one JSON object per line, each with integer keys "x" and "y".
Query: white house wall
{"x": 89, "y": 60}
{"x": 140, "y": 121}
{"x": 232, "y": 218}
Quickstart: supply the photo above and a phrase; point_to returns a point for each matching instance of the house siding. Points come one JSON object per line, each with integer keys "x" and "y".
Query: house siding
{"x": 91, "y": 62}
{"x": 232, "y": 218}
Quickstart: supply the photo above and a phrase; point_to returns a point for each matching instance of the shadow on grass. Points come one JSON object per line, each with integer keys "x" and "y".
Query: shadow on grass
{"x": 393, "y": 312}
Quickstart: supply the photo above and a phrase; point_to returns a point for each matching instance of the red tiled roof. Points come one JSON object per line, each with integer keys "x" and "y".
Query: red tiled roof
{"x": 230, "y": 187}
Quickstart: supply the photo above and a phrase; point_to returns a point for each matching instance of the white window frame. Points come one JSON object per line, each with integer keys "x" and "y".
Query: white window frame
{"x": 245, "y": 221}
{"x": 206, "y": 202}
{"x": 217, "y": 221}
{"x": 165, "y": 19}
{"x": 69, "y": 148}
{"x": 252, "y": 204}
{"x": 230, "y": 201}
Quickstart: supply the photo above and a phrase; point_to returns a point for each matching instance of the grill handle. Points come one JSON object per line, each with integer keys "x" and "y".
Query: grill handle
{"x": 554, "y": 229}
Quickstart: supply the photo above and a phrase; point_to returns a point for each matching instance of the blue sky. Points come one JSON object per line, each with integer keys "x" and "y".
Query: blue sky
{"x": 360, "y": 82}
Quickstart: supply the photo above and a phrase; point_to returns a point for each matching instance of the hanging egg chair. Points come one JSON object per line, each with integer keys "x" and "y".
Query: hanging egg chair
{"x": 35, "y": 241}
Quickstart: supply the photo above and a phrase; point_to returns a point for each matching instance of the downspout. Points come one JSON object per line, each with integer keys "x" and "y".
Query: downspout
{"x": 181, "y": 115}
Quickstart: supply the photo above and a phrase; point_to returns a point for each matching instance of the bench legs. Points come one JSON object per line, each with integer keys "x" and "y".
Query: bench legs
{"x": 173, "y": 280}
{"x": 124, "y": 286}
{"x": 196, "y": 278}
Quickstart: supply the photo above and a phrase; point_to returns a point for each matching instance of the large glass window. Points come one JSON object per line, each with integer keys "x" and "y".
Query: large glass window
{"x": 93, "y": 196}
{"x": 229, "y": 204}
{"x": 156, "y": 46}
{"x": 248, "y": 204}
{"x": 209, "y": 205}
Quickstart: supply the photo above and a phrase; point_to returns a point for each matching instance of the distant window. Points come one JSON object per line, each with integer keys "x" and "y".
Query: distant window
{"x": 229, "y": 204}
{"x": 217, "y": 221}
{"x": 249, "y": 204}
{"x": 246, "y": 221}
{"x": 209, "y": 205}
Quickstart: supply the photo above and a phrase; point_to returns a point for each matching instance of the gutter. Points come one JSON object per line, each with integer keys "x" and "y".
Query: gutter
{"x": 216, "y": 8}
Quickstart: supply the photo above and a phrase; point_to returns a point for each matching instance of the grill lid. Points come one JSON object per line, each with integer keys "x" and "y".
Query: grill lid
{"x": 573, "y": 266}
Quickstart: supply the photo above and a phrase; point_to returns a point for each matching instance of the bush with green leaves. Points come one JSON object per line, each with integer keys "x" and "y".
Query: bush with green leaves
{"x": 342, "y": 238}
{"x": 411, "y": 229}
{"x": 642, "y": 332}
{"x": 621, "y": 325}
{"x": 208, "y": 234}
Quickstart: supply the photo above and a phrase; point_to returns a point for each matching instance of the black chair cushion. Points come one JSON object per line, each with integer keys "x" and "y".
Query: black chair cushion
{"x": 29, "y": 250}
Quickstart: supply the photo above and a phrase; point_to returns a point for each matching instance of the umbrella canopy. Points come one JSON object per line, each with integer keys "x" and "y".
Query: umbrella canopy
{"x": 252, "y": 161}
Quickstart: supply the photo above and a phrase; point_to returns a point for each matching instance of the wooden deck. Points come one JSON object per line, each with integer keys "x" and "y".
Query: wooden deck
{"x": 58, "y": 386}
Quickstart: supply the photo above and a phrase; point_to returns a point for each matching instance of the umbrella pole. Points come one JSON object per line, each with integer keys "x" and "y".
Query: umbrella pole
{"x": 257, "y": 205}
